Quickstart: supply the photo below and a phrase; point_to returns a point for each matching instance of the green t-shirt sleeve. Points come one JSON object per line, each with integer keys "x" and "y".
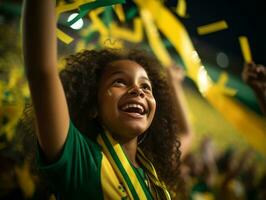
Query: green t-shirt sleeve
{"x": 76, "y": 174}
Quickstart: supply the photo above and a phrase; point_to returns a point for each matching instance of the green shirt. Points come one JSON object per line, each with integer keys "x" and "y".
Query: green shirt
{"x": 76, "y": 174}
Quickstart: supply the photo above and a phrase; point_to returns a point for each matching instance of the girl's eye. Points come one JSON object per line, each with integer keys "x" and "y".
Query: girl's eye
{"x": 146, "y": 87}
{"x": 119, "y": 82}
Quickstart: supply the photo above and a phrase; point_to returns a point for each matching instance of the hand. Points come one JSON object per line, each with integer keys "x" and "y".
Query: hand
{"x": 255, "y": 76}
{"x": 175, "y": 73}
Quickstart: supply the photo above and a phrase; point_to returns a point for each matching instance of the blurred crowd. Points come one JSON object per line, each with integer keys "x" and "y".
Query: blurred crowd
{"x": 230, "y": 175}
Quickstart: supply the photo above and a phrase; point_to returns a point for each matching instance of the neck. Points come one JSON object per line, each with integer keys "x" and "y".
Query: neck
{"x": 130, "y": 149}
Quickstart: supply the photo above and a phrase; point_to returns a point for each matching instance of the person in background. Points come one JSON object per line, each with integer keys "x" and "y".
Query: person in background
{"x": 255, "y": 76}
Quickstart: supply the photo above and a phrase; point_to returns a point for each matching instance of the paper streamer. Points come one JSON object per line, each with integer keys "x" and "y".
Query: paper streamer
{"x": 251, "y": 126}
{"x": 213, "y": 27}
{"x": 244, "y": 45}
{"x": 154, "y": 38}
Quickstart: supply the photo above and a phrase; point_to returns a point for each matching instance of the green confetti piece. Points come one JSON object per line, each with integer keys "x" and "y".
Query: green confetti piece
{"x": 131, "y": 13}
{"x": 108, "y": 15}
{"x": 86, "y": 8}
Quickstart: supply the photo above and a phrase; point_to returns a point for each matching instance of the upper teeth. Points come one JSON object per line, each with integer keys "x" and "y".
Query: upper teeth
{"x": 133, "y": 106}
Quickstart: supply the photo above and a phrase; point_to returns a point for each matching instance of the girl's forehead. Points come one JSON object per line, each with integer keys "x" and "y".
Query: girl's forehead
{"x": 125, "y": 66}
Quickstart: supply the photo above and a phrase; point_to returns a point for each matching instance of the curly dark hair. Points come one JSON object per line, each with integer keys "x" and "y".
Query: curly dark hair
{"x": 80, "y": 80}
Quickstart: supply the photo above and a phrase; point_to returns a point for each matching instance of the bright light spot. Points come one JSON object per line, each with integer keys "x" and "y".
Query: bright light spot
{"x": 195, "y": 56}
{"x": 222, "y": 60}
{"x": 204, "y": 81}
{"x": 78, "y": 24}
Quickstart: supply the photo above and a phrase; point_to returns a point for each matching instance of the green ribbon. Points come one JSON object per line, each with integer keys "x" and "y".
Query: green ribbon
{"x": 87, "y": 7}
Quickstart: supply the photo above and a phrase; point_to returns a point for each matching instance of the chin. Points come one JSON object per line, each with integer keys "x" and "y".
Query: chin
{"x": 131, "y": 129}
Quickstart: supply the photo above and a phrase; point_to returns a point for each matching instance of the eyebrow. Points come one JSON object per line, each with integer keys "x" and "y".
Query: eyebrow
{"x": 122, "y": 72}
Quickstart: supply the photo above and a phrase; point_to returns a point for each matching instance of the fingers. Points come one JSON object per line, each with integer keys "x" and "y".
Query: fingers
{"x": 176, "y": 73}
{"x": 254, "y": 72}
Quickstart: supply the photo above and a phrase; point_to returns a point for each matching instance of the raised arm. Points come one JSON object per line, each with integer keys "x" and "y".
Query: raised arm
{"x": 40, "y": 57}
{"x": 175, "y": 76}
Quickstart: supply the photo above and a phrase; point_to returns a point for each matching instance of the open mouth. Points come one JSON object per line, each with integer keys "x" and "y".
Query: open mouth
{"x": 134, "y": 108}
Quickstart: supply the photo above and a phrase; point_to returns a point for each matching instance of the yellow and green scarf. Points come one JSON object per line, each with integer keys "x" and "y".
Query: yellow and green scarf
{"x": 118, "y": 166}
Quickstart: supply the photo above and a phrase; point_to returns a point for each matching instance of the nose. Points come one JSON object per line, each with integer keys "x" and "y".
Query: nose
{"x": 136, "y": 91}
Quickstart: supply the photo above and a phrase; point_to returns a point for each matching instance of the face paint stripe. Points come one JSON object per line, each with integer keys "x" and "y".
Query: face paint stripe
{"x": 109, "y": 93}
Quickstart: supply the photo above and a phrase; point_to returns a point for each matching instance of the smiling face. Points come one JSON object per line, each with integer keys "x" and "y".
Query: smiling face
{"x": 125, "y": 100}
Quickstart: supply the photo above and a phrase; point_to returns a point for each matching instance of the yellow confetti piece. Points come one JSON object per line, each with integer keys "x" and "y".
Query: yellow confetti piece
{"x": 244, "y": 45}
{"x": 120, "y": 12}
{"x": 154, "y": 38}
{"x": 213, "y": 27}
{"x": 63, "y": 36}
{"x": 223, "y": 79}
{"x": 181, "y": 8}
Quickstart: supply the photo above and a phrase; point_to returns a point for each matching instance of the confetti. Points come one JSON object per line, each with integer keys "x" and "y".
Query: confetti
{"x": 154, "y": 38}
{"x": 63, "y": 36}
{"x": 244, "y": 45}
{"x": 213, "y": 27}
{"x": 87, "y": 7}
{"x": 120, "y": 12}
{"x": 181, "y": 8}
{"x": 84, "y": 6}
{"x": 221, "y": 83}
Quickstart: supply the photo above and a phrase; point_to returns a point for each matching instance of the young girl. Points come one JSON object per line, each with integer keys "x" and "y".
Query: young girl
{"x": 108, "y": 130}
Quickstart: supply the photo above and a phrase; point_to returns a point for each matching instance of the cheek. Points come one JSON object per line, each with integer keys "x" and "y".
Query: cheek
{"x": 152, "y": 102}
